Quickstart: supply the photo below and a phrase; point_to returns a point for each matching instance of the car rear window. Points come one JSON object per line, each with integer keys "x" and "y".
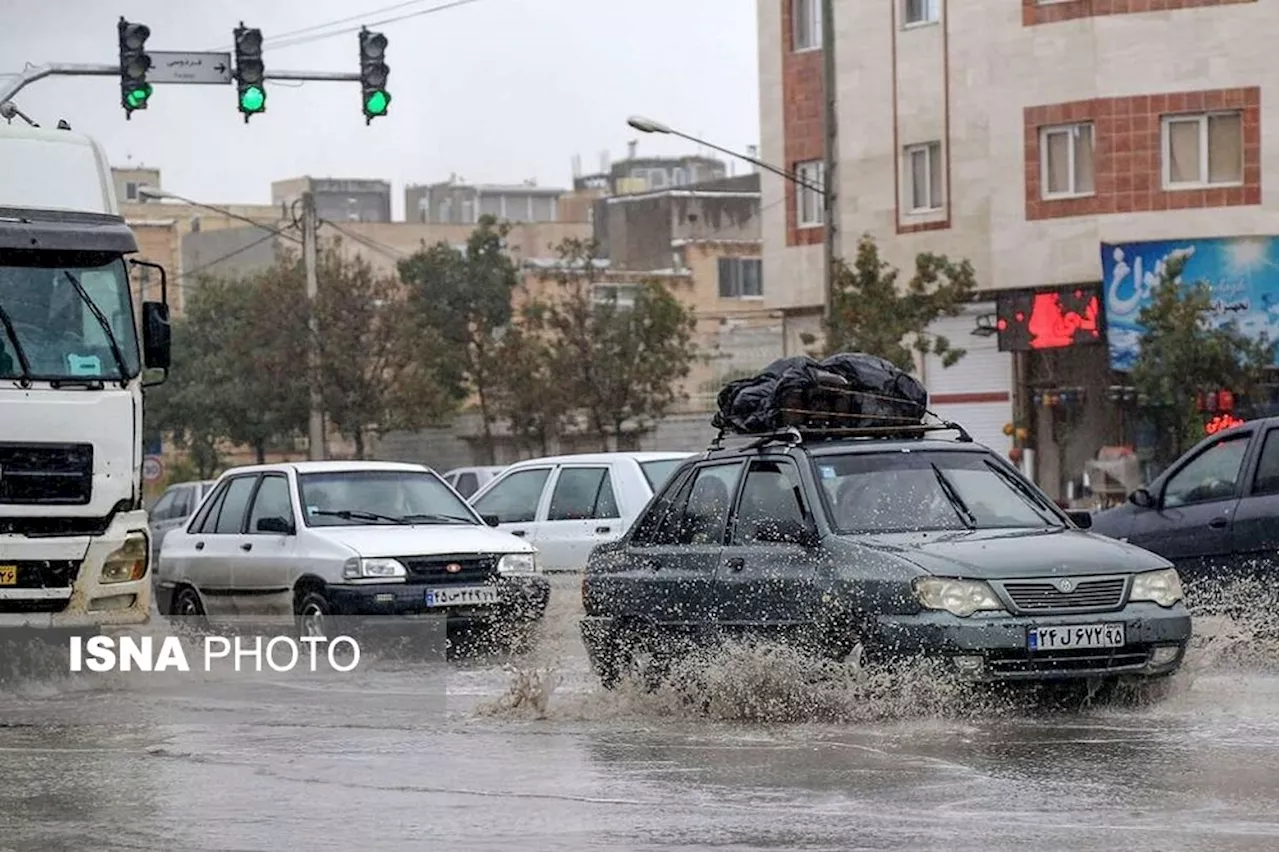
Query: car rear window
{"x": 658, "y": 472}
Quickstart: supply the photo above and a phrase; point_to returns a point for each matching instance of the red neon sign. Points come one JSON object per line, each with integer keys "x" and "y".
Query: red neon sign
{"x": 1049, "y": 320}
{"x": 1222, "y": 421}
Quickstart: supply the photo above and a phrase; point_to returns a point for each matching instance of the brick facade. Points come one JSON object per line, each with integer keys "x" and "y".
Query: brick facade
{"x": 802, "y": 131}
{"x": 1127, "y": 153}
{"x": 1040, "y": 12}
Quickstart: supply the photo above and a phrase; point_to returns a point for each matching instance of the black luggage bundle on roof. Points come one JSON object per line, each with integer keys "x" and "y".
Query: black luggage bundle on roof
{"x": 846, "y": 393}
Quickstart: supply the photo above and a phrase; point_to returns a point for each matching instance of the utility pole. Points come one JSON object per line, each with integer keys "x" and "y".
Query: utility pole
{"x": 310, "y": 249}
{"x": 829, "y": 165}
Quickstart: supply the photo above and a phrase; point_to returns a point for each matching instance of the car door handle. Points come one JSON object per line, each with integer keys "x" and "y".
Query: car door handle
{"x": 199, "y": 545}
{"x": 737, "y": 563}
{"x": 1218, "y": 523}
{"x": 248, "y": 545}
{"x": 603, "y": 529}
{"x": 518, "y": 532}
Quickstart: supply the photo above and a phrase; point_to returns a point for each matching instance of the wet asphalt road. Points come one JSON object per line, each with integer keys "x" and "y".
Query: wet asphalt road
{"x": 432, "y": 756}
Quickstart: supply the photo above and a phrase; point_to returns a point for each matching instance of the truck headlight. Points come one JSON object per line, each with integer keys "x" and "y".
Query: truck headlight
{"x": 958, "y": 597}
{"x": 1163, "y": 587}
{"x": 127, "y": 562}
{"x": 379, "y": 568}
{"x": 519, "y": 563}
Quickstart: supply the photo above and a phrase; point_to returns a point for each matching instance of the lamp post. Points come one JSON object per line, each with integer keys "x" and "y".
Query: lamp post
{"x": 649, "y": 125}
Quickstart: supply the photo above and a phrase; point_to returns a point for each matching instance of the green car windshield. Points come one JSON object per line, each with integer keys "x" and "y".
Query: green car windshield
{"x": 927, "y": 491}
{"x": 67, "y": 319}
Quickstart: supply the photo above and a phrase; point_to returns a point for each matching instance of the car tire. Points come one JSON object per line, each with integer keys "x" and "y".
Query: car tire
{"x": 186, "y": 605}
{"x": 312, "y": 609}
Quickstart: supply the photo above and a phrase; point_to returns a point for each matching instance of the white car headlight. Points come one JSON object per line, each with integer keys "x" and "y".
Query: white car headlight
{"x": 958, "y": 597}
{"x": 380, "y": 568}
{"x": 1163, "y": 587}
{"x": 519, "y": 563}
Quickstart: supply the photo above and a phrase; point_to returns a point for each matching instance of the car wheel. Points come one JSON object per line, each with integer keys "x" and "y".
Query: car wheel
{"x": 186, "y": 605}
{"x": 312, "y": 610}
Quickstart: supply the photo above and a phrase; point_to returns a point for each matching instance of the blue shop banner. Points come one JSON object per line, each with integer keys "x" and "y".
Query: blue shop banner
{"x": 1241, "y": 271}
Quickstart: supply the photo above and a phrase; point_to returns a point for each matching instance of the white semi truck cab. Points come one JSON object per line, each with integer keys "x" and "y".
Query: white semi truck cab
{"x": 74, "y": 551}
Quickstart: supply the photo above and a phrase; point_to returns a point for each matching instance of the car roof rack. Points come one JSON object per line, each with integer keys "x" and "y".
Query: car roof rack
{"x": 802, "y": 433}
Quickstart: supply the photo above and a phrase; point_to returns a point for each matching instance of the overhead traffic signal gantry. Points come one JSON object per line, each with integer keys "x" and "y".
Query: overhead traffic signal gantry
{"x": 250, "y": 87}
{"x": 373, "y": 75}
{"x": 135, "y": 91}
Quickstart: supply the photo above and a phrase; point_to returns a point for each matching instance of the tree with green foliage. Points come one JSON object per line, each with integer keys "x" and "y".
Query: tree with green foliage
{"x": 870, "y": 313}
{"x": 619, "y": 362}
{"x": 464, "y": 300}
{"x": 529, "y": 393}
{"x": 1184, "y": 349}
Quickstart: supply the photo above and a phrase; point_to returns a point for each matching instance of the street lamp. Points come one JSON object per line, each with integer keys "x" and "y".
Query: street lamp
{"x": 649, "y": 125}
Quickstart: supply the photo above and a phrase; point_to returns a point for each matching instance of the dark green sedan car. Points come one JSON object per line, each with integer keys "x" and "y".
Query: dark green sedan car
{"x": 888, "y": 547}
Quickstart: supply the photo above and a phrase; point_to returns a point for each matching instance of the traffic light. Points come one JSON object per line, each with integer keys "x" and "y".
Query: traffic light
{"x": 134, "y": 65}
{"x": 251, "y": 89}
{"x": 373, "y": 75}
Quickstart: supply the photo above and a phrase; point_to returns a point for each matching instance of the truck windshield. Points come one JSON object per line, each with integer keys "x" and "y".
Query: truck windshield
{"x": 48, "y": 322}
{"x": 918, "y": 491}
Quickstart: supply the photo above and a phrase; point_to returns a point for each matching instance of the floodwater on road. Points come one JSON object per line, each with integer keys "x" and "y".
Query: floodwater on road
{"x": 529, "y": 754}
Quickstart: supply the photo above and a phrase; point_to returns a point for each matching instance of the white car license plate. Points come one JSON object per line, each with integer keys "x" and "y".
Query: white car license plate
{"x": 1068, "y": 637}
{"x": 462, "y": 596}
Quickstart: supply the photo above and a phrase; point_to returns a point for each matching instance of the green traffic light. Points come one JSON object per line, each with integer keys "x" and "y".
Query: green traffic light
{"x": 253, "y": 99}
{"x": 137, "y": 96}
{"x": 376, "y": 103}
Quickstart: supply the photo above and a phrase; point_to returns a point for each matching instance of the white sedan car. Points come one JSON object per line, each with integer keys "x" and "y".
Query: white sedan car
{"x": 566, "y": 505}
{"x": 346, "y": 538}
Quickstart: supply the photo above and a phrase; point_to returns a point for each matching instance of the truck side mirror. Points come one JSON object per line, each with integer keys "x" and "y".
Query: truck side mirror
{"x": 156, "y": 335}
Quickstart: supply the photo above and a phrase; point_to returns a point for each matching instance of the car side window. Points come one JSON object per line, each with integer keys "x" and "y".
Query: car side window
{"x": 234, "y": 503}
{"x": 1267, "y": 478}
{"x": 1209, "y": 476}
{"x": 699, "y": 513}
{"x": 208, "y": 517}
{"x": 772, "y": 507}
{"x": 163, "y": 510}
{"x": 185, "y": 503}
{"x": 271, "y": 501}
{"x": 583, "y": 493}
{"x": 515, "y": 499}
{"x": 466, "y": 484}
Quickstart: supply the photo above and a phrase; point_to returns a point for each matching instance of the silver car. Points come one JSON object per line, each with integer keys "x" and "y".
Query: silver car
{"x": 176, "y": 504}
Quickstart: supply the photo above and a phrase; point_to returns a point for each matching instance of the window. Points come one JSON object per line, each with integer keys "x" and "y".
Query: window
{"x": 234, "y": 502}
{"x": 583, "y": 493}
{"x": 398, "y": 495}
{"x": 924, "y": 177}
{"x": 1203, "y": 150}
{"x": 809, "y": 201}
{"x": 929, "y": 490}
{"x": 771, "y": 502}
{"x": 916, "y": 12}
{"x": 658, "y": 472}
{"x": 806, "y": 24}
{"x": 740, "y": 278}
{"x": 204, "y": 521}
{"x": 466, "y": 484}
{"x": 515, "y": 499}
{"x": 1209, "y": 476}
{"x": 1267, "y": 479}
{"x": 182, "y": 502}
{"x": 271, "y": 501}
{"x": 678, "y": 177}
{"x": 131, "y": 191}
{"x": 1066, "y": 160}
{"x": 166, "y": 507}
{"x": 699, "y": 511}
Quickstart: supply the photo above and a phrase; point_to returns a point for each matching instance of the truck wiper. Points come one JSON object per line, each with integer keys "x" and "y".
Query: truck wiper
{"x": 12, "y": 333}
{"x": 954, "y": 496}
{"x": 102, "y": 321}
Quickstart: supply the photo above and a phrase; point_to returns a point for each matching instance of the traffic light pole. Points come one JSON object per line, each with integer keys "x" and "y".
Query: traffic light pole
{"x": 9, "y": 88}
{"x": 310, "y": 250}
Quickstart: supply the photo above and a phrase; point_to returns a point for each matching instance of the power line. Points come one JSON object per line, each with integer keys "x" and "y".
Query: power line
{"x": 300, "y": 36}
{"x": 368, "y": 242}
{"x": 231, "y": 215}
{"x": 190, "y": 272}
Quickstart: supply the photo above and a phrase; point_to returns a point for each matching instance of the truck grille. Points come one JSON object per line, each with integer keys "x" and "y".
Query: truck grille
{"x": 434, "y": 569}
{"x": 1102, "y": 593}
{"x": 33, "y": 474}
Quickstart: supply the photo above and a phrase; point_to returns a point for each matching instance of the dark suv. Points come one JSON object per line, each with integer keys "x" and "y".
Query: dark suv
{"x": 894, "y": 547}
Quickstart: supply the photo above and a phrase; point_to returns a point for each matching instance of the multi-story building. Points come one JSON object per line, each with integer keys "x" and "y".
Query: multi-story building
{"x": 649, "y": 174}
{"x": 453, "y": 202}
{"x": 1058, "y": 145}
{"x": 338, "y": 199}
